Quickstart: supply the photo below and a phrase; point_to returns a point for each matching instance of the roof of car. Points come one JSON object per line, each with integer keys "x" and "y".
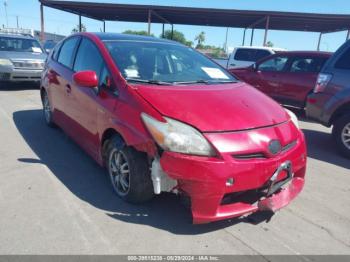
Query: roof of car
{"x": 303, "y": 53}
{"x": 262, "y": 48}
{"x": 128, "y": 37}
{"x": 23, "y": 36}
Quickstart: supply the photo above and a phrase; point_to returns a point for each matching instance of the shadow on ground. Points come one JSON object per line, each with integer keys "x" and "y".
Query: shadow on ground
{"x": 5, "y": 86}
{"x": 87, "y": 180}
{"x": 320, "y": 145}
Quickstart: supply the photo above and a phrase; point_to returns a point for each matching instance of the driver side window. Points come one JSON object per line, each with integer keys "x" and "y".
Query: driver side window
{"x": 275, "y": 64}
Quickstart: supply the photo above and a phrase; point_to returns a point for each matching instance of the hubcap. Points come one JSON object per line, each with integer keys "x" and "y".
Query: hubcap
{"x": 47, "y": 109}
{"x": 345, "y": 136}
{"x": 119, "y": 172}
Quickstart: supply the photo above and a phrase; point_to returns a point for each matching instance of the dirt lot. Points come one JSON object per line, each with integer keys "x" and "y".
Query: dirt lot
{"x": 55, "y": 200}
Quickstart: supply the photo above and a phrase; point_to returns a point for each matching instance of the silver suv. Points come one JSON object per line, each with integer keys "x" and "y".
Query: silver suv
{"x": 21, "y": 58}
{"x": 329, "y": 103}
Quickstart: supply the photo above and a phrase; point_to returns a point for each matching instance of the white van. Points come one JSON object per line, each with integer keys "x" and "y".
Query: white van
{"x": 245, "y": 56}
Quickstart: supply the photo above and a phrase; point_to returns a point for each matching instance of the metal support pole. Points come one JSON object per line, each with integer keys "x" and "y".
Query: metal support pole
{"x": 104, "y": 26}
{"x": 252, "y": 37}
{"x": 319, "y": 42}
{"x": 266, "y": 29}
{"x": 226, "y": 40}
{"x": 42, "y": 25}
{"x": 348, "y": 35}
{"x": 172, "y": 31}
{"x": 80, "y": 28}
{"x": 243, "y": 40}
{"x": 149, "y": 21}
{"x": 7, "y": 21}
{"x": 163, "y": 31}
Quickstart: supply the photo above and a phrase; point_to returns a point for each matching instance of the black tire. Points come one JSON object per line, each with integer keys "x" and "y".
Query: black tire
{"x": 339, "y": 129}
{"x": 47, "y": 111}
{"x": 140, "y": 187}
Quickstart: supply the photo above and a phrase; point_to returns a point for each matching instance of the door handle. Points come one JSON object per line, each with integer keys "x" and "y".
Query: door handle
{"x": 68, "y": 88}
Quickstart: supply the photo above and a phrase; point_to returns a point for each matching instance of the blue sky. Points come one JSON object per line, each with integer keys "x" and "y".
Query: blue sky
{"x": 62, "y": 22}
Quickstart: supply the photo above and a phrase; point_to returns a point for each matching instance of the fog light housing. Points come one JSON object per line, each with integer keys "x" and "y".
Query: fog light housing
{"x": 230, "y": 181}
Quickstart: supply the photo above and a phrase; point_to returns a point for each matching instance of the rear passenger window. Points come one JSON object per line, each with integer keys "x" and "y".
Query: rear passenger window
{"x": 55, "y": 51}
{"x": 307, "y": 64}
{"x": 88, "y": 57}
{"x": 275, "y": 64}
{"x": 344, "y": 61}
{"x": 251, "y": 55}
{"x": 243, "y": 54}
{"x": 66, "y": 54}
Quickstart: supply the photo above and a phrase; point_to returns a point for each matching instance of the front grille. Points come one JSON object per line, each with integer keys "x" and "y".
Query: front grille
{"x": 247, "y": 197}
{"x": 250, "y": 156}
{"x": 28, "y": 64}
{"x": 261, "y": 155}
{"x": 4, "y": 76}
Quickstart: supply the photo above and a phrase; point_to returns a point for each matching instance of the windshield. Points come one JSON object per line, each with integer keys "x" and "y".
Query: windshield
{"x": 19, "y": 45}
{"x": 157, "y": 62}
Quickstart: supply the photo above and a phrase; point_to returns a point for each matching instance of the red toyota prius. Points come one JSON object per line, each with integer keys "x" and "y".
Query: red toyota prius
{"x": 162, "y": 117}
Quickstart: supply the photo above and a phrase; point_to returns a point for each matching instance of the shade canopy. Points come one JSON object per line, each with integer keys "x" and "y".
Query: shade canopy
{"x": 310, "y": 22}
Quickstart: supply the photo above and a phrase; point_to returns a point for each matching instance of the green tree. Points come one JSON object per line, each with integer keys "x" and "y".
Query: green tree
{"x": 134, "y": 32}
{"x": 76, "y": 29}
{"x": 177, "y": 36}
{"x": 200, "y": 39}
{"x": 269, "y": 44}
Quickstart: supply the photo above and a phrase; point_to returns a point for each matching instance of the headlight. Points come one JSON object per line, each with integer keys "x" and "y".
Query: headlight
{"x": 293, "y": 117}
{"x": 5, "y": 62}
{"x": 177, "y": 137}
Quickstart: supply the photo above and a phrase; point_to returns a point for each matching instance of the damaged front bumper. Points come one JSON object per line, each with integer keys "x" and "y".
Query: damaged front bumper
{"x": 227, "y": 187}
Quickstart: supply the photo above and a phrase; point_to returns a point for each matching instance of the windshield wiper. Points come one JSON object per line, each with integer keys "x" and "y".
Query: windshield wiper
{"x": 208, "y": 82}
{"x": 155, "y": 82}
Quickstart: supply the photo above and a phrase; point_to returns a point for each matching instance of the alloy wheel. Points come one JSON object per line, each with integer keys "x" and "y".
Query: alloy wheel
{"x": 345, "y": 136}
{"x": 47, "y": 109}
{"x": 119, "y": 172}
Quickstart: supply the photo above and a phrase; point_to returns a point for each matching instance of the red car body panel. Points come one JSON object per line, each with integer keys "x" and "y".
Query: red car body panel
{"x": 202, "y": 105}
{"x": 236, "y": 119}
{"x": 290, "y": 88}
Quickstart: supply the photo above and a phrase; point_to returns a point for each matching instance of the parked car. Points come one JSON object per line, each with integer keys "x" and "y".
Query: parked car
{"x": 162, "y": 117}
{"x": 21, "y": 58}
{"x": 287, "y": 77}
{"x": 245, "y": 56}
{"x": 330, "y": 101}
{"x": 49, "y": 45}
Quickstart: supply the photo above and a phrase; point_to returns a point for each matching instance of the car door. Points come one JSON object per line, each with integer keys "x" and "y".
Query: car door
{"x": 59, "y": 76}
{"x": 268, "y": 74}
{"x": 81, "y": 102}
{"x": 299, "y": 79}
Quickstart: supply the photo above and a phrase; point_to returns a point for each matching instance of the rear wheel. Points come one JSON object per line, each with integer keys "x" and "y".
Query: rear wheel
{"x": 341, "y": 134}
{"x": 129, "y": 172}
{"x": 47, "y": 110}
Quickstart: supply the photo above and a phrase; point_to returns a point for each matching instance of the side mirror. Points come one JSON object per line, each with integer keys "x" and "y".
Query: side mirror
{"x": 86, "y": 78}
{"x": 254, "y": 67}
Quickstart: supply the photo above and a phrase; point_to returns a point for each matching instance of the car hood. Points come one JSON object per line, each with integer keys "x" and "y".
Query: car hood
{"x": 22, "y": 55}
{"x": 215, "y": 108}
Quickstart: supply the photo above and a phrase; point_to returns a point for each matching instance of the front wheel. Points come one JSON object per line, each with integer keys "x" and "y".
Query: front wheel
{"x": 341, "y": 134}
{"x": 129, "y": 172}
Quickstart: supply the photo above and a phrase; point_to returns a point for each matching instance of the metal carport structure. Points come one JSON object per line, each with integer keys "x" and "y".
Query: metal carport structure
{"x": 246, "y": 19}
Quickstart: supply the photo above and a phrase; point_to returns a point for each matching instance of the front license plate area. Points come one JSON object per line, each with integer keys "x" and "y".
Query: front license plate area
{"x": 274, "y": 184}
